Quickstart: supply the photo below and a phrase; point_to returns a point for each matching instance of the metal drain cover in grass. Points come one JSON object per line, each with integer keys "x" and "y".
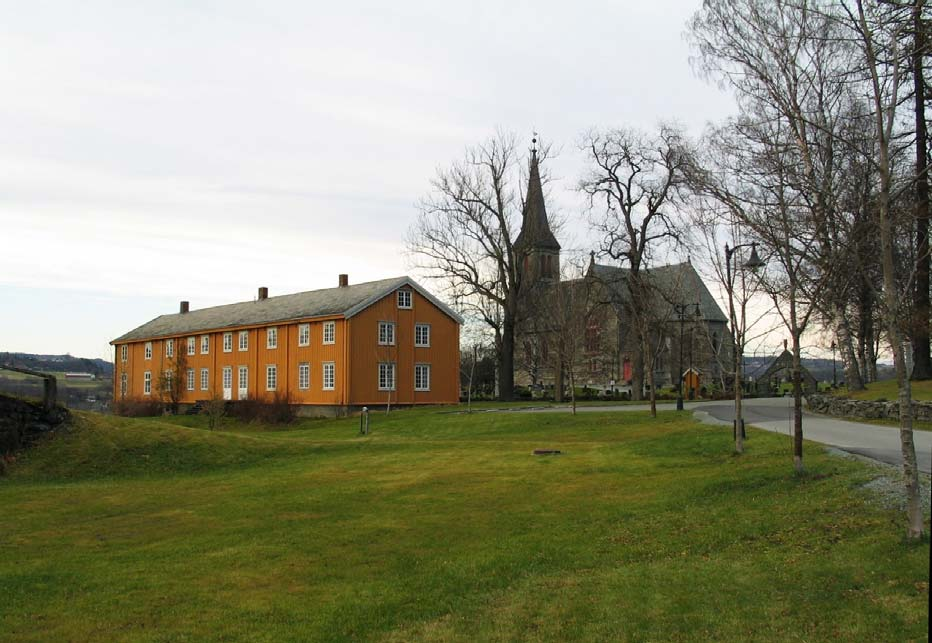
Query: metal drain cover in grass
{"x": 547, "y": 452}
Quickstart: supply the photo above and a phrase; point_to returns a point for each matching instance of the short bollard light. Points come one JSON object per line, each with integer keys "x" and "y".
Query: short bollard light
{"x": 364, "y": 421}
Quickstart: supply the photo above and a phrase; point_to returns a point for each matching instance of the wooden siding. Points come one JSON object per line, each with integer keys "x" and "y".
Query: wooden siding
{"x": 355, "y": 354}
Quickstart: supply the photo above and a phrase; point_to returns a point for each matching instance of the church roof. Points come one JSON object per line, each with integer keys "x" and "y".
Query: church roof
{"x": 535, "y": 228}
{"x": 677, "y": 283}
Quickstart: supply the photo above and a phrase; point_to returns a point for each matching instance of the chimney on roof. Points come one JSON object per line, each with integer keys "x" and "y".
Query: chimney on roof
{"x": 184, "y": 307}
{"x": 263, "y": 293}
{"x": 344, "y": 281}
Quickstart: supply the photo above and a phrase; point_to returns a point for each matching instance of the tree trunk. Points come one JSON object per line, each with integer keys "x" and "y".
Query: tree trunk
{"x": 573, "y": 390}
{"x": 797, "y": 406}
{"x": 506, "y": 360}
{"x": 846, "y": 348}
{"x": 922, "y": 360}
{"x": 637, "y": 376}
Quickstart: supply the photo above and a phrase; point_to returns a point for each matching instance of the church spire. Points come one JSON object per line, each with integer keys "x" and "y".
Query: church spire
{"x": 535, "y": 228}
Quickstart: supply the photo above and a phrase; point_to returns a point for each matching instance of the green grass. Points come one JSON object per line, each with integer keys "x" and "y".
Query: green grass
{"x": 888, "y": 390}
{"x": 443, "y": 526}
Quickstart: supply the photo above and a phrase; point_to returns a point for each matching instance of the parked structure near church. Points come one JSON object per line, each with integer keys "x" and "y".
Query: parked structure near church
{"x": 689, "y": 329}
{"x": 365, "y": 344}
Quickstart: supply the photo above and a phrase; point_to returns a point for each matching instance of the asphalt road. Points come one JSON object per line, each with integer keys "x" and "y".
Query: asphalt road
{"x": 776, "y": 414}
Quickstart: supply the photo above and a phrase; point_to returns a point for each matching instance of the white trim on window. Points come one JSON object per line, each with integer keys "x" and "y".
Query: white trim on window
{"x": 191, "y": 345}
{"x": 124, "y": 352}
{"x": 243, "y": 382}
{"x": 228, "y": 342}
{"x": 422, "y": 335}
{"x": 304, "y": 375}
{"x": 227, "y": 382}
{"x": 148, "y": 350}
{"x": 169, "y": 348}
{"x": 404, "y": 299}
{"x": 205, "y": 344}
{"x": 205, "y": 379}
{"x": 147, "y": 383}
{"x": 243, "y": 340}
{"x": 123, "y": 385}
{"x": 422, "y": 377}
{"x": 304, "y": 334}
{"x": 190, "y": 379}
{"x": 329, "y": 376}
{"x": 330, "y": 332}
{"x": 386, "y": 376}
{"x": 271, "y": 337}
{"x": 386, "y": 333}
{"x": 271, "y": 377}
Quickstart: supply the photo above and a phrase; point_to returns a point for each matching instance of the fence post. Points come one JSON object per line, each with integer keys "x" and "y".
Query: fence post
{"x": 364, "y": 421}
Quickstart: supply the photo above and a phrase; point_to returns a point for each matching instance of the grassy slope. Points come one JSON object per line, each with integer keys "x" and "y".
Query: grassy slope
{"x": 443, "y": 527}
{"x": 887, "y": 389}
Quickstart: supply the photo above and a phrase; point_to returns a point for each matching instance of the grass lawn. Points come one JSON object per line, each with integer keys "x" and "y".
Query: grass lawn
{"x": 444, "y": 527}
{"x": 887, "y": 389}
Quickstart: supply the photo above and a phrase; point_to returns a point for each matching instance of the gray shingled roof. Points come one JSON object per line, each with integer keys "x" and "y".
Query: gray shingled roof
{"x": 680, "y": 283}
{"x": 346, "y": 301}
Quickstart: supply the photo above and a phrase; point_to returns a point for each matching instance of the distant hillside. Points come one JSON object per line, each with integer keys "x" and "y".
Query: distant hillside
{"x": 59, "y": 363}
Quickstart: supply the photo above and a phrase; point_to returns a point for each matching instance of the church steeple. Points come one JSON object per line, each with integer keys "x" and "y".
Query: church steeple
{"x": 537, "y": 249}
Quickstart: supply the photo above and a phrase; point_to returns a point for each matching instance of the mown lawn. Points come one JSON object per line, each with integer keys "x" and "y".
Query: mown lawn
{"x": 888, "y": 390}
{"x": 443, "y": 527}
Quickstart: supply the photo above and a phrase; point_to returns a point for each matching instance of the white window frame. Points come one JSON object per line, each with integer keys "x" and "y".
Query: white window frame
{"x": 205, "y": 379}
{"x": 190, "y": 379}
{"x": 169, "y": 380}
{"x": 330, "y": 332}
{"x": 304, "y": 334}
{"x": 227, "y": 381}
{"x": 271, "y": 337}
{"x": 328, "y": 376}
{"x": 123, "y": 384}
{"x": 422, "y": 371}
{"x": 124, "y": 352}
{"x": 169, "y": 348}
{"x": 426, "y": 329}
{"x": 147, "y": 383}
{"x": 386, "y": 333}
{"x": 192, "y": 343}
{"x": 387, "y": 369}
{"x": 271, "y": 377}
{"x": 228, "y": 342}
{"x": 205, "y": 344}
{"x": 243, "y": 341}
{"x": 405, "y": 299}
{"x": 242, "y": 381}
{"x": 148, "y": 350}
{"x": 304, "y": 375}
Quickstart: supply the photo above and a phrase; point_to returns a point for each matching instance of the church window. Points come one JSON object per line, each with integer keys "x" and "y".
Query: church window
{"x": 593, "y": 335}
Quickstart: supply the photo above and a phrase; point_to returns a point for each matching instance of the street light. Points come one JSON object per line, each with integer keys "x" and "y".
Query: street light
{"x": 834, "y": 374}
{"x": 680, "y": 310}
{"x": 753, "y": 263}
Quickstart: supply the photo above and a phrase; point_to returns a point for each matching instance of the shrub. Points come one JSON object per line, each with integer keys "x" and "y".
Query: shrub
{"x": 279, "y": 410}
{"x": 137, "y": 407}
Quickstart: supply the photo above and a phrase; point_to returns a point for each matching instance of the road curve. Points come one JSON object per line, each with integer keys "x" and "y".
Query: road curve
{"x": 776, "y": 414}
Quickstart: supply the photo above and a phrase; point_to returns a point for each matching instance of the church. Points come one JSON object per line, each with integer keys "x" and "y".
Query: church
{"x": 584, "y": 332}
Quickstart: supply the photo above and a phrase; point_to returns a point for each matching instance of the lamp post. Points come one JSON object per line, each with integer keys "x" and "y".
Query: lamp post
{"x": 680, "y": 310}
{"x": 753, "y": 263}
{"x": 834, "y": 373}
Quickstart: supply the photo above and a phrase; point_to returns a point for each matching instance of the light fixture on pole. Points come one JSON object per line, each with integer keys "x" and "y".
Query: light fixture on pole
{"x": 753, "y": 263}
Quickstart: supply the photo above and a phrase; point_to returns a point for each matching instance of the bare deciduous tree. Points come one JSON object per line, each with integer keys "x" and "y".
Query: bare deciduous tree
{"x": 633, "y": 187}
{"x": 464, "y": 238}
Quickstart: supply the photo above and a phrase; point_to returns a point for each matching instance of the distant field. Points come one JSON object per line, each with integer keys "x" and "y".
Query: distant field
{"x": 442, "y": 527}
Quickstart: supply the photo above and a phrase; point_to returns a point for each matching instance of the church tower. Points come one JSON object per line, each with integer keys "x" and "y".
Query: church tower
{"x": 536, "y": 249}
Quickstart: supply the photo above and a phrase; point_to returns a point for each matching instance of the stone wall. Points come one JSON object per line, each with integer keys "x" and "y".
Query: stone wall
{"x": 871, "y": 410}
{"x": 22, "y": 421}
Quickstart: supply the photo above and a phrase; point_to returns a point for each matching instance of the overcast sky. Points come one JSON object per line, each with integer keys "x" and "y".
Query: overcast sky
{"x": 153, "y": 152}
